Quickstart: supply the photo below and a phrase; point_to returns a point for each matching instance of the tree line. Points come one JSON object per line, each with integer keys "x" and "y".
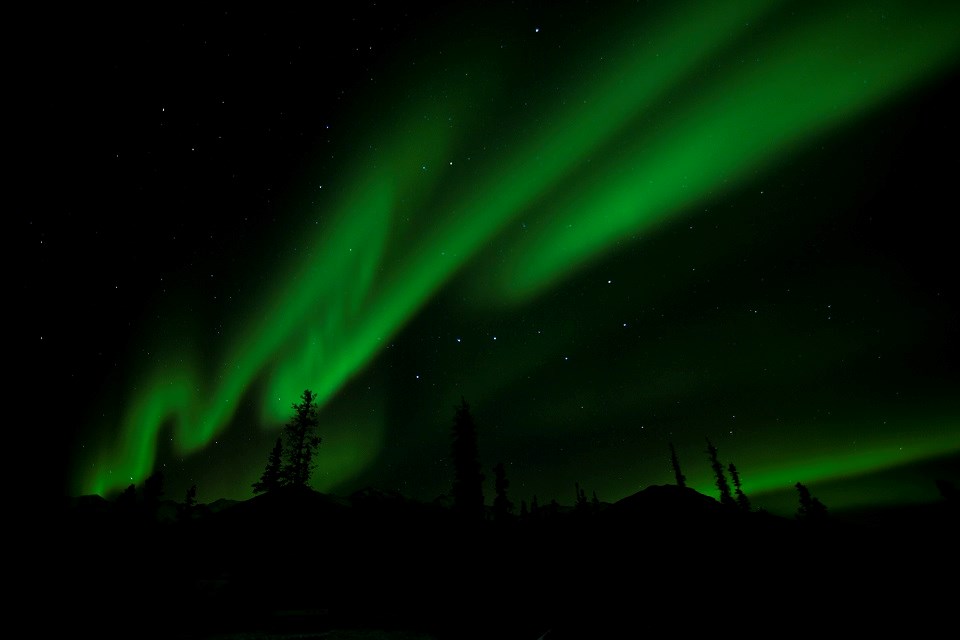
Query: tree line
{"x": 292, "y": 461}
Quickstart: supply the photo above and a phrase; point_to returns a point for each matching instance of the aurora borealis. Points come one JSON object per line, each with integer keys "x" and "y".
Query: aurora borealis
{"x": 606, "y": 229}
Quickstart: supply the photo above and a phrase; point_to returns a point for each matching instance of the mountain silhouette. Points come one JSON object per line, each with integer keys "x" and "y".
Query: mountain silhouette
{"x": 296, "y": 561}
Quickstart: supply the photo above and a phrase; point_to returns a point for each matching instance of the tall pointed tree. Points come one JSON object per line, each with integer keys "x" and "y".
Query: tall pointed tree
{"x": 581, "y": 504}
{"x": 467, "y": 479}
{"x": 272, "y": 477}
{"x": 742, "y": 499}
{"x": 722, "y": 486}
{"x": 810, "y": 509}
{"x": 302, "y": 440}
{"x": 675, "y": 462}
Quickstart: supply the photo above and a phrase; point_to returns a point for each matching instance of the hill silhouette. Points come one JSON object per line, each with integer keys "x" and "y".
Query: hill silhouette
{"x": 296, "y": 561}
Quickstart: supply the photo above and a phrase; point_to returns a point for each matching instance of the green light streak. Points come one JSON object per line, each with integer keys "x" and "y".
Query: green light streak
{"x": 810, "y": 79}
{"x": 169, "y": 400}
{"x": 370, "y": 272}
{"x": 880, "y": 453}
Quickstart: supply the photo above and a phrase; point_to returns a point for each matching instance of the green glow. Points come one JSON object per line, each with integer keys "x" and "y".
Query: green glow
{"x": 352, "y": 446}
{"x": 808, "y": 80}
{"x": 773, "y": 475}
{"x": 136, "y": 449}
{"x": 622, "y": 154}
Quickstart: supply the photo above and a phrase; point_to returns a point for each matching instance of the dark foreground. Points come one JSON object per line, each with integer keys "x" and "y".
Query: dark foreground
{"x": 664, "y": 561}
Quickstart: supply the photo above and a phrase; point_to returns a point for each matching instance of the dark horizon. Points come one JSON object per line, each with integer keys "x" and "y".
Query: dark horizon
{"x": 780, "y": 502}
{"x": 294, "y": 563}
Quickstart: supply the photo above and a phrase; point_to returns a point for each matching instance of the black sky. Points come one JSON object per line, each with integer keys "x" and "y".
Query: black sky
{"x": 180, "y": 151}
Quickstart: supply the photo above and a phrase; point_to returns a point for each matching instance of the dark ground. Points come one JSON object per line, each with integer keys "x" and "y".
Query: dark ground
{"x": 665, "y": 560}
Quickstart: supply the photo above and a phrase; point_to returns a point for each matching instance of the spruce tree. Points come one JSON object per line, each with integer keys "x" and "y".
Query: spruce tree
{"x": 742, "y": 499}
{"x": 467, "y": 480}
{"x": 581, "y": 503}
{"x": 722, "y": 486}
{"x": 302, "y": 441}
{"x": 675, "y": 462}
{"x": 810, "y": 509}
{"x": 272, "y": 477}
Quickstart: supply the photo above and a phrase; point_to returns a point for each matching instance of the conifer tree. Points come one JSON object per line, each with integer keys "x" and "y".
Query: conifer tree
{"x": 675, "y": 462}
{"x": 272, "y": 477}
{"x": 721, "y": 479}
{"x": 742, "y": 499}
{"x": 810, "y": 509}
{"x": 467, "y": 481}
{"x": 581, "y": 503}
{"x": 302, "y": 441}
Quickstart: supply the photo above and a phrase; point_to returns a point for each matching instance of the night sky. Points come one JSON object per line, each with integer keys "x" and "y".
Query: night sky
{"x": 607, "y": 226}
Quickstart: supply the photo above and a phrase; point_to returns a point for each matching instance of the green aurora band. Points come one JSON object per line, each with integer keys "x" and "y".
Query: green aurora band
{"x": 680, "y": 110}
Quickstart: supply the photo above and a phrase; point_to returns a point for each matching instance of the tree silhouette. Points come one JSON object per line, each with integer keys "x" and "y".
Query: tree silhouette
{"x": 524, "y": 512}
{"x": 189, "y": 502}
{"x": 302, "y": 441}
{"x": 810, "y": 509}
{"x": 675, "y": 462}
{"x": 948, "y": 490}
{"x": 126, "y": 502}
{"x": 581, "y": 503}
{"x": 467, "y": 480}
{"x": 595, "y": 502}
{"x": 534, "y": 508}
{"x": 742, "y": 499}
{"x": 502, "y": 507}
{"x": 152, "y": 492}
{"x": 272, "y": 477}
{"x": 722, "y": 486}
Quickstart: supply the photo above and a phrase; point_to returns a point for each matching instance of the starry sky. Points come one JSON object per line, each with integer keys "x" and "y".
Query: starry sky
{"x": 606, "y": 226}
